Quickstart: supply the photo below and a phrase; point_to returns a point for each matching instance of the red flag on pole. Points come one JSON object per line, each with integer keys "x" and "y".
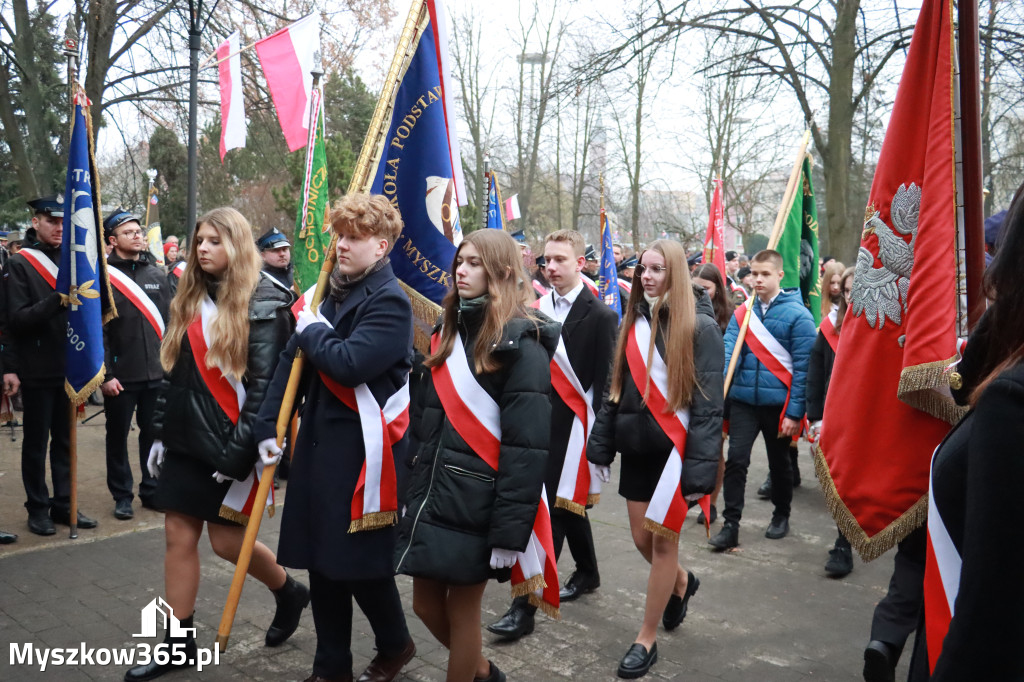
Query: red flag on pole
{"x": 888, "y": 405}
{"x": 714, "y": 241}
{"x": 288, "y": 57}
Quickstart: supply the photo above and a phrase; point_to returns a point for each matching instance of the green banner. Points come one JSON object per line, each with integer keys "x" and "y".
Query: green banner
{"x": 312, "y": 225}
{"x": 799, "y": 245}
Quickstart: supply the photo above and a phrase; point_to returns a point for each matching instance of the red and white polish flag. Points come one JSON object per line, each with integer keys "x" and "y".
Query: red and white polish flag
{"x": 232, "y": 103}
{"x": 287, "y": 58}
{"x": 512, "y": 211}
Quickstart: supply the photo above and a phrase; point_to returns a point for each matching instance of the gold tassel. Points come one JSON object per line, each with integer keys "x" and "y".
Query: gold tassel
{"x": 373, "y": 521}
{"x": 547, "y": 608}
{"x": 532, "y": 585}
{"x": 869, "y": 548}
{"x": 925, "y": 387}
{"x": 570, "y": 506}
{"x": 230, "y": 514}
{"x": 661, "y": 530}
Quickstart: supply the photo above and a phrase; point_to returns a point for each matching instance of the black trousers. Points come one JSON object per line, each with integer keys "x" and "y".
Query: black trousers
{"x": 332, "y": 616}
{"x": 745, "y": 423}
{"x": 47, "y": 420}
{"x": 140, "y": 401}
{"x": 896, "y": 616}
{"x": 576, "y": 530}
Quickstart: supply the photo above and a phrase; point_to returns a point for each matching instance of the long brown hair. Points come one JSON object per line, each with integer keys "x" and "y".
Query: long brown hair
{"x": 720, "y": 301}
{"x": 832, "y": 268}
{"x": 229, "y": 347}
{"x": 678, "y": 330}
{"x": 848, "y": 273}
{"x": 503, "y": 264}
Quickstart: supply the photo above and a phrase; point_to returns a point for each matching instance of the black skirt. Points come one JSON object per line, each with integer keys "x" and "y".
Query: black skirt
{"x": 187, "y": 486}
{"x": 639, "y": 474}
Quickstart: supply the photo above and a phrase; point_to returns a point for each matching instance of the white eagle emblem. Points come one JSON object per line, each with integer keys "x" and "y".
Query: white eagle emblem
{"x": 880, "y": 293}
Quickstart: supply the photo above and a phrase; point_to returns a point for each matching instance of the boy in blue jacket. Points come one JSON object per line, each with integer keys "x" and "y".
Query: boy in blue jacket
{"x": 767, "y": 393}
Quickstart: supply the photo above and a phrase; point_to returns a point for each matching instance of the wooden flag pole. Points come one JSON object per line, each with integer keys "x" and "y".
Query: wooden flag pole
{"x": 773, "y": 241}
{"x": 370, "y": 151}
{"x": 73, "y": 457}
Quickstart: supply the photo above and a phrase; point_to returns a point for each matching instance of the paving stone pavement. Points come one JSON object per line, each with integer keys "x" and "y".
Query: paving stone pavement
{"x": 765, "y": 611}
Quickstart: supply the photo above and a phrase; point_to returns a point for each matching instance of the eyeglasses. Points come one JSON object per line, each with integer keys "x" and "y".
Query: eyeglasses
{"x": 132, "y": 234}
{"x": 655, "y": 269}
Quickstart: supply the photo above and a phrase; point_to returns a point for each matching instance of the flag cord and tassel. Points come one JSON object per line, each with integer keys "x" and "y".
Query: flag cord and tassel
{"x": 780, "y": 221}
{"x": 371, "y": 147}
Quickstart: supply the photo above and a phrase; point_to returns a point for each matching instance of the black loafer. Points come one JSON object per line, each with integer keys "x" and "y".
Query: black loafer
{"x": 677, "y": 606}
{"x": 493, "y": 674}
{"x": 577, "y": 585}
{"x": 517, "y": 622}
{"x": 7, "y": 538}
{"x": 714, "y": 516}
{"x": 879, "y": 662}
{"x": 727, "y": 538}
{"x": 765, "y": 491}
{"x": 123, "y": 510}
{"x": 63, "y": 517}
{"x": 291, "y": 598}
{"x": 40, "y": 524}
{"x": 778, "y": 528}
{"x": 637, "y": 661}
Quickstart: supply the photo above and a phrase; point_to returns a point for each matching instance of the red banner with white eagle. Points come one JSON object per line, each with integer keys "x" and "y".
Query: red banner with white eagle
{"x": 888, "y": 404}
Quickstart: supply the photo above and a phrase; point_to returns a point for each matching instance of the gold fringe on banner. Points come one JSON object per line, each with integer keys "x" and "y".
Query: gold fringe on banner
{"x": 926, "y": 387}
{"x": 570, "y": 506}
{"x": 661, "y": 530}
{"x": 373, "y": 521}
{"x": 230, "y": 514}
{"x": 869, "y": 548}
{"x": 544, "y": 606}
{"x": 424, "y": 316}
{"x": 529, "y": 587}
{"x": 593, "y": 499}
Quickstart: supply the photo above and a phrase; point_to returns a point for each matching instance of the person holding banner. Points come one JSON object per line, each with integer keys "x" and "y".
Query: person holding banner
{"x": 476, "y": 509}
{"x": 663, "y": 412}
{"x": 766, "y": 395}
{"x": 342, "y": 505}
{"x": 35, "y": 334}
{"x": 204, "y": 423}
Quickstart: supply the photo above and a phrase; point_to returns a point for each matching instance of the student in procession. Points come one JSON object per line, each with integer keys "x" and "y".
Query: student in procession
{"x": 831, "y": 288}
{"x": 35, "y": 324}
{"x": 761, "y": 401}
{"x": 228, "y": 324}
{"x": 588, "y": 332}
{"x": 819, "y": 374}
{"x": 131, "y": 341}
{"x": 708, "y": 278}
{"x": 664, "y": 403}
{"x": 358, "y": 350}
{"x": 977, "y": 473}
{"x": 474, "y": 494}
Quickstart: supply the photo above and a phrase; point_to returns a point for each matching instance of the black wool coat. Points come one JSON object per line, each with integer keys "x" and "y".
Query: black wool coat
{"x": 589, "y": 332}
{"x": 131, "y": 344}
{"x": 370, "y": 343}
{"x": 819, "y": 375}
{"x": 188, "y": 419}
{"x": 459, "y": 507}
{"x": 629, "y": 427}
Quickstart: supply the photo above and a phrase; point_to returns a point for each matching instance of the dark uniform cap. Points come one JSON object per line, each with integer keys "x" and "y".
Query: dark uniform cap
{"x": 729, "y": 255}
{"x": 116, "y": 220}
{"x": 519, "y": 236}
{"x": 591, "y": 253}
{"x": 52, "y": 205}
{"x": 629, "y": 263}
{"x": 742, "y": 272}
{"x": 272, "y": 239}
{"x": 540, "y": 261}
{"x": 696, "y": 258}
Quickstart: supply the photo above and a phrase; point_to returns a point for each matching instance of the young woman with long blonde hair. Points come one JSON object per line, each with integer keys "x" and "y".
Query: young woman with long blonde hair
{"x": 664, "y": 414}
{"x": 473, "y": 497}
{"x": 228, "y": 325}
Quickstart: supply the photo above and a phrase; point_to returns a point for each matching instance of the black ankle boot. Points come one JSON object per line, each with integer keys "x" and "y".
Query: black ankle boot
{"x": 291, "y": 598}
{"x": 153, "y": 670}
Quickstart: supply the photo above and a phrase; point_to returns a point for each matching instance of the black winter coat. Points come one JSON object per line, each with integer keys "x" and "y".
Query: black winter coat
{"x": 819, "y": 374}
{"x": 34, "y": 321}
{"x": 371, "y": 343}
{"x": 459, "y": 507}
{"x": 188, "y": 419}
{"x": 131, "y": 344}
{"x": 629, "y": 427}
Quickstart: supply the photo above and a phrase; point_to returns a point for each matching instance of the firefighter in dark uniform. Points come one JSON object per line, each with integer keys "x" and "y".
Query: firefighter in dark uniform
{"x": 132, "y": 355}
{"x": 276, "y": 253}
{"x": 35, "y": 325}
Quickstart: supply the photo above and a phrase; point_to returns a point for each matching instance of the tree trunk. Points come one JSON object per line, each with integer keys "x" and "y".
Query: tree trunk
{"x": 19, "y": 154}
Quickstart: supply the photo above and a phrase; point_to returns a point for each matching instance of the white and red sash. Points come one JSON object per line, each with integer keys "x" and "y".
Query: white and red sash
{"x": 138, "y": 298}
{"x": 736, "y": 288}
{"x": 179, "y": 269}
{"x": 941, "y": 577}
{"x": 229, "y": 394}
{"x": 768, "y": 350}
{"x": 476, "y": 417}
{"x": 578, "y": 486}
{"x": 592, "y": 285}
{"x": 667, "y": 509}
{"x": 828, "y": 330}
{"x": 626, "y": 284}
{"x": 539, "y": 288}
{"x": 46, "y": 268}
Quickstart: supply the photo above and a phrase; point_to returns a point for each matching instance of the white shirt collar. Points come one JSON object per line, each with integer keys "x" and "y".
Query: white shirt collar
{"x": 563, "y": 310}
{"x": 764, "y": 306}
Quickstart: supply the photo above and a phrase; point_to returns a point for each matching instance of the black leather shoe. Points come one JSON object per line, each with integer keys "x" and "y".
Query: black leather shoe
{"x": 7, "y": 538}
{"x": 153, "y": 670}
{"x": 291, "y": 598}
{"x": 493, "y": 675}
{"x": 840, "y": 562}
{"x": 386, "y": 668}
{"x": 123, "y": 510}
{"x": 517, "y": 622}
{"x": 727, "y": 538}
{"x": 880, "y": 662}
{"x": 778, "y": 528}
{"x": 40, "y": 524}
{"x": 765, "y": 491}
{"x": 714, "y": 516}
{"x": 578, "y": 584}
{"x": 63, "y": 517}
{"x": 637, "y": 661}
{"x": 675, "y": 610}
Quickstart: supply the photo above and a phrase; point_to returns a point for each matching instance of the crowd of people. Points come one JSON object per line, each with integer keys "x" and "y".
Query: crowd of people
{"x": 529, "y": 392}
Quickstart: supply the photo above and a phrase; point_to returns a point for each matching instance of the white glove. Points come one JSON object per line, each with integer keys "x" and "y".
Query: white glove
{"x": 306, "y": 318}
{"x": 220, "y": 478}
{"x": 156, "y": 458}
{"x": 604, "y": 474}
{"x": 814, "y": 430}
{"x": 502, "y": 558}
{"x": 269, "y": 452}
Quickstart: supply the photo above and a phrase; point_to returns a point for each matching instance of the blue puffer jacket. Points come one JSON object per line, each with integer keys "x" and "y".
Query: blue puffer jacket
{"x": 793, "y": 326}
